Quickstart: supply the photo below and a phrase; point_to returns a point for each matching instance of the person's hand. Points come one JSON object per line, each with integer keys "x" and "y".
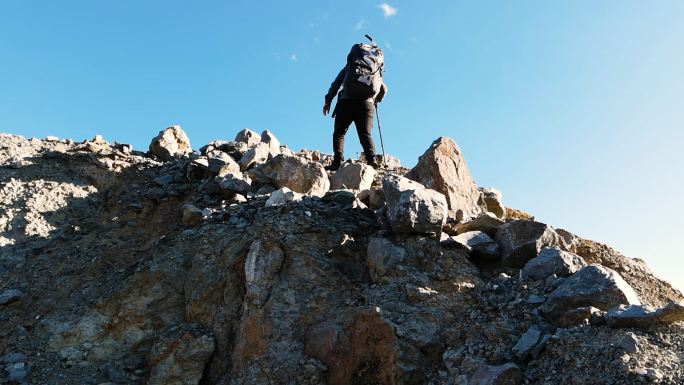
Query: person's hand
{"x": 326, "y": 109}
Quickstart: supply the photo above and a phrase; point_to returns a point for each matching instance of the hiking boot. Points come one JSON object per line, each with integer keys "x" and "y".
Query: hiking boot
{"x": 374, "y": 164}
{"x": 333, "y": 167}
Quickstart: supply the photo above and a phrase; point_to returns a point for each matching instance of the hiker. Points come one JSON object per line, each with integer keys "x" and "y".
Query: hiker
{"x": 362, "y": 89}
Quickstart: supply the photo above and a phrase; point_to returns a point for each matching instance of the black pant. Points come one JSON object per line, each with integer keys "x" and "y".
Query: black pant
{"x": 361, "y": 113}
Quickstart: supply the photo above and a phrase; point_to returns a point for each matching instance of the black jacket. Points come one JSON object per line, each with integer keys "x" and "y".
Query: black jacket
{"x": 342, "y": 95}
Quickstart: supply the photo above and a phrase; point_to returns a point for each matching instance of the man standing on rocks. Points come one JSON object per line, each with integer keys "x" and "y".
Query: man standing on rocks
{"x": 362, "y": 88}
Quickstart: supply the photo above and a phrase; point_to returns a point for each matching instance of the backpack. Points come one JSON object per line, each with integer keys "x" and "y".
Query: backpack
{"x": 363, "y": 77}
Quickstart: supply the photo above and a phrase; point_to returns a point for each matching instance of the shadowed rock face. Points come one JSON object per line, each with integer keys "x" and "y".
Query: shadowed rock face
{"x": 118, "y": 267}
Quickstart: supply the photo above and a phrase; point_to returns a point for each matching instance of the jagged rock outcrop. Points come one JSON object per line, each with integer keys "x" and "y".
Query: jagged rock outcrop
{"x": 552, "y": 261}
{"x": 353, "y": 176}
{"x": 522, "y": 240}
{"x": 120, "y": 267}
{"x": 443, "y": 169}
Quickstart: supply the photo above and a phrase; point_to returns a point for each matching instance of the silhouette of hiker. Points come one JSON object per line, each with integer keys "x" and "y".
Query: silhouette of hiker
{"x": 354, "y": 106}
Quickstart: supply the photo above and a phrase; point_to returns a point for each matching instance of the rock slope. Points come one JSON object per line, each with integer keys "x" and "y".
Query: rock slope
{"x": 237, "y": 264}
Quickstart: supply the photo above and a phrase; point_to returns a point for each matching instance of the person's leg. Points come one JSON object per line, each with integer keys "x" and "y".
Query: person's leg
{"x": 363, "y": 120}
{"x": 343, "y": 119}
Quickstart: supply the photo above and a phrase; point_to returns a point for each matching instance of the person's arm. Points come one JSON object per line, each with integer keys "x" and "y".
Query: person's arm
{"x": 332, "y": 92}
{"x": 381, "y": 94}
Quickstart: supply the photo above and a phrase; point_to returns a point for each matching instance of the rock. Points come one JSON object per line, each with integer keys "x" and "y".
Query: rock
{"x": 249, "y": 137}
{"x": 15, "y": 358}
{"x": 283, "y": 196}
{"x": 488, "y": 223}
{"x": 17, "y": 372}
{"x": 353, "y": 176}
{"x": 273, "y": 144}
{"x": 180, "y": 355}
{"x": 216, "y": 145}
{"x": 171, "y": 144}
{"x": 235, "y": 149}
{"x": 552, "y": 260}
{"x": 526, "y": 343}
{"x": 232, "y": 184}
{"x": 341, "y": 197}
{"x": 642, "y": 317}
{"x": 507, "y": 374}
{"x": 594, "y": 285}
{"x": 9, "y": 296}
{"x": 413, "y": 208}
{"x": 442, "y": 168}
{"x": 540, "y": 346}
{"x": 569, "y": 239}
{"x": 479, "y": 244}
{"x": 629, "y": 342}
{"x": 535, "y": 299}
{"x": 221, "y": 163}
{"x": 382, "y": 256}
{"x": 192, "y": 214}
{"x": 264, "y": 260}
{"x": 377, "y": 198}
{"x": 254, "y": 157}
{"x": 358, "y": 347}
{"x": 491, "y": 199}
{"x": 522, "y": 240}
{"x": 390, "y": 162}
{"x": 577, "y": 316}
{"x": 197, "y": 169}
{"x": 295, "y": 173}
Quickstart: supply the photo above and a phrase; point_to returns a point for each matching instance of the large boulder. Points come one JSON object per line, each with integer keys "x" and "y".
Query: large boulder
{"x": 478, "y": 244}
{"x": 353, "y": 176}
{"x": 255, "y": 156}
{"x": 221, "y": 163}
{"x": 413, "y": 208}
{"x": 442, "y": 168}
{"x": 636, "y": 316}
{"x": 488, "y": 223}
{"x": 522, "y": 240}
{"x": 294, "y": 172}
{"x": 248, "y": 137}
{"x": 594, "y": 285}
{"x": 172, "y": 143}
{"x": 552, "y": 260}
{"x": 273, "y": 143}
{"x": 231, "y": 184}
{"x": 180, "y": 355}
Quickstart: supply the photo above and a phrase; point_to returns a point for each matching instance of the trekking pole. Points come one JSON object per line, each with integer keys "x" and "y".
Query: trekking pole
{"x": 377, "y": 115}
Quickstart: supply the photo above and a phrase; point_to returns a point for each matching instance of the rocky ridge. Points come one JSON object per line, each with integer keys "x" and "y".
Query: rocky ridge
{"x": 238, "y": 264}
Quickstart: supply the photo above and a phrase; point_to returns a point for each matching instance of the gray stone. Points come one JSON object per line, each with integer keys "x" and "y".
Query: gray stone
{"x": 488, "y": 223}
{"x": 377, "y": 198}
{"x": 235, "y": 149}
{"x": 443, "y": 169}
{"x": 172, "y": 143}
{"x": 9, "y": 296}
{"x": 17, "y": 372}
{"x": 540, "y": 346}
{"x": 249, "y": 137}
{"x": 491, "y": 199}
{"x": 552, "y": 260}
{"x": 522, "y": 240}
{"x": 507, "y": 374}
{"x": 14, "y": 358}
{"x": 341, "y": 197}
{"x": 629, "y": 342}
{"x": 283, "y": 196}
{"x": 569, "y": 239}
{"x": 526, "y": 343}
{"x": 382, "y": 256}
{"x": 254, "y": 157}
{"x": 264, "y": 260}
{"x": 180, "y": 355}
{"x": 479, "y": 244}
{"x": 219, "y": 145}
{"x": 232, "y": 184}
{"x": 413, "y": 208}
{"x": 535, "y": 299}
{"x": 579, "y": 316}
{"x": 221, "y": 163}
{"x": 594, "y": 285}
{"x": 163, "y": 181}
{"x": 273, "y": 143}
{"x": 192, "y": 214}
{"x": 295, "y": 173}
{"x": 353, "y": 176}
{"x": 636, "y": 316}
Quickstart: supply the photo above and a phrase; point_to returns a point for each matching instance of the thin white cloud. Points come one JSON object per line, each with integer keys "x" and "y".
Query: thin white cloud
{"x": 389, "y": 11}
{"x": 311, "y": 24}
{"x": 389, "y": 47}
{"x": 275, "y": 55}
{"x": 294, "y": 57}
{"x": 359, "y": 25}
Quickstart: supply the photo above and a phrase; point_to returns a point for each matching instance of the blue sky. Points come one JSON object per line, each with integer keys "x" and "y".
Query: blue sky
{"x": 572, "y": 109}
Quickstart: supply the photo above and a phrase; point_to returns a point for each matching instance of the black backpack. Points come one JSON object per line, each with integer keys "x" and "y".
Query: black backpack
{"x": 363, "y": 77}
